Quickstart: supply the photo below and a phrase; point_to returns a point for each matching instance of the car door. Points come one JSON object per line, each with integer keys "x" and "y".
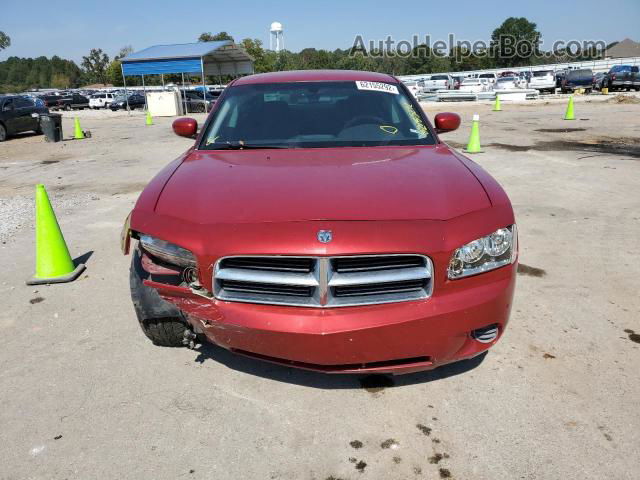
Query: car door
{"x": 11, "y": 116}
{"x": 26, "y": 111}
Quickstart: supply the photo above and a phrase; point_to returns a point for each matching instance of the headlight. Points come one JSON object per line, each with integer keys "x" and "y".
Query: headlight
{"x": 168, "y": 252}
{"x": 487, "y": 253}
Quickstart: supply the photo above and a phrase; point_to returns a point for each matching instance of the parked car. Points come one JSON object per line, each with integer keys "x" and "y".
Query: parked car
{"x": 575, "y": 79}
{"x": 195, "y": 103}
{"x": 543, "y": 80}
{"x": 473, "y": 85}
{"x": 438, "y": 82}
{"x": 120, "y": 102}
{"x": 52, "y": 102}
{"x": 488, "y": 78}
{"x": 412, "y": 86}
{"x": 620, "y": 77}
{"x": 19, "y": 114}
{"x": 507, "y": 83}
{"x": 598, "y": 80}
{"x": 408, "y": 263}
{"x": 73, "y": 102}
{"x": 101, "y": 100}
{"x": 523, "y": 80}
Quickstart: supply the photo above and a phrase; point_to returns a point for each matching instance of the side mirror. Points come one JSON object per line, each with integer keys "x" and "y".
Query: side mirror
{"x": 447, "y": 122}
{"x": 185, "y": 127}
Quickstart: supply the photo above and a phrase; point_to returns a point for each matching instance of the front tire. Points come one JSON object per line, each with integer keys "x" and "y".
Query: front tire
{"x": 162, "y": 322}
{"x": 3, "y": 133}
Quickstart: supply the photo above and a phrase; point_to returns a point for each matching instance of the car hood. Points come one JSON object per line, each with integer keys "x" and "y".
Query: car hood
{"x": 375, "y": 183}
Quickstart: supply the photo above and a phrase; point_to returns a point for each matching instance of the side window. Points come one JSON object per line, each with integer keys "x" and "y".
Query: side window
{"x": 23, "y": 102}
{"x": 7, "y": 105}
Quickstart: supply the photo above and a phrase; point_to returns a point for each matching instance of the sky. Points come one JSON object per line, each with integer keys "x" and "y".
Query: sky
{"x": 36, "y": 27}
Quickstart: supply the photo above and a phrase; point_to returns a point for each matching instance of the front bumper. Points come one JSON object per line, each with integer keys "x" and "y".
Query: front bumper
{"x": 390, "y": 338}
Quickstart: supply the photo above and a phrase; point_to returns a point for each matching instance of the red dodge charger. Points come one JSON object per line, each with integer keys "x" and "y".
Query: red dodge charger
{"x": 319, "y": 222}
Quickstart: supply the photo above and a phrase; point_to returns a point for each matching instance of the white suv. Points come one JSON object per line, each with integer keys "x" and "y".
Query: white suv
{"x": 101, "y": 100}
{"x": 543, "y": 80}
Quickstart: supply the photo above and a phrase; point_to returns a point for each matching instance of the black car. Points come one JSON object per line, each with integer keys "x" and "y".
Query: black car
{"x": 73, "y": 101}
{"x": 19, "y": 114}
{"x": 195, "y": 103}
{"x": 52, "y": 101}
{"x": 135, "y": 101}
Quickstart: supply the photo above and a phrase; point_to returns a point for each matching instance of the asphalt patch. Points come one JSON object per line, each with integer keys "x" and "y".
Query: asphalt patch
{"x": 376, "y": 383}
{"x": 444, "y": 473}
{"x": 530, "y": 271}
{"x": 560, "y": 130}
{"x": 424, "y": 429}
{"x": 633, "y": 336}
{"x": 435, "y": 459}
{"x": 356, "y": 444}
{"x": 360, "y": 466}
{"x": 629, "y": 147}
{"x": 389, "y": 443}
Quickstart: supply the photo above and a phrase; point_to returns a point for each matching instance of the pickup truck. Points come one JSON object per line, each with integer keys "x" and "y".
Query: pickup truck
{"x": 576, "y": 79}
{"x": 438, "y": 82}
{"x": 73, "y": 102}
{"x": 621, "y": 77}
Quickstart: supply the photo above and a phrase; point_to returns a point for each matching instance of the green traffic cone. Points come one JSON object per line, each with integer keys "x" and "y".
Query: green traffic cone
{"x": 149, "y": 120}
{"x": 496, "y": 105}
{"x": 79, "y": 134}
{"x": 53, "y": 262}
{"x": 474, "y": 139}
{"x": 569, "y": 113}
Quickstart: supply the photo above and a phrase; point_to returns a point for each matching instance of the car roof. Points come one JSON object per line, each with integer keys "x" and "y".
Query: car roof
{"x": 316, "y": 76}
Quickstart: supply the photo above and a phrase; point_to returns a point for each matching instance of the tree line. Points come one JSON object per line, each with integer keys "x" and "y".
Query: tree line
{"x": 97, "y": 68}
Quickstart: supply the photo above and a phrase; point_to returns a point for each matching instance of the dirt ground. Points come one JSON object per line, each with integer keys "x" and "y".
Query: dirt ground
{"x": 83, "y": 394}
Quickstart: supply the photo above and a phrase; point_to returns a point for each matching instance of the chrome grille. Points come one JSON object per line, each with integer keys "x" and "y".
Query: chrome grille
{"x": 323, "y": 281}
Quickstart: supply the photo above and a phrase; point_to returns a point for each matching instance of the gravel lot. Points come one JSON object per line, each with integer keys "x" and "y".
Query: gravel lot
{"x": 85, "y": 395}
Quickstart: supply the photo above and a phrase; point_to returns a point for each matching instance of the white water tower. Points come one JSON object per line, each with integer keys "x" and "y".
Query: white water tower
{"x": 277, "y": 37}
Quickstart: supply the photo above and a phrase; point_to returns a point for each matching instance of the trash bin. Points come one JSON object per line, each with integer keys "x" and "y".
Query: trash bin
{"x": 51, "y": 125}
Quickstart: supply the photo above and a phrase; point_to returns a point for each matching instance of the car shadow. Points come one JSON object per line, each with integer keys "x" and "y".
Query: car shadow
{"x": 371, "y": 382}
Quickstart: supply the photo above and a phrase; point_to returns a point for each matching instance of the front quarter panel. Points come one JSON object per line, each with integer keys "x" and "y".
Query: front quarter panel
{"x": 148, "y": 198}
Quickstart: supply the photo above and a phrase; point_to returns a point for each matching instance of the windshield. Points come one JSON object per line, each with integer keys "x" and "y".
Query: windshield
{"x": 621, "y": 68}
{"x": 544, "y": 73}
{"x": 315, "y": 115}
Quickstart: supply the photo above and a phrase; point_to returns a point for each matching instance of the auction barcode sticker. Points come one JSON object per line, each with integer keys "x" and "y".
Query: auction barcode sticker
{"x": 377, "y": 87}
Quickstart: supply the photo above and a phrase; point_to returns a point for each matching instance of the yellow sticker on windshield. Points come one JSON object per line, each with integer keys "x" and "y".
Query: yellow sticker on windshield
{"x": 417, "y": 121}
{"x": 389, "y": 129}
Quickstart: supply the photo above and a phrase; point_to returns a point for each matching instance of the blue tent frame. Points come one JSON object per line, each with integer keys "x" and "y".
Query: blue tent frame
{"x": 207, "y": 58}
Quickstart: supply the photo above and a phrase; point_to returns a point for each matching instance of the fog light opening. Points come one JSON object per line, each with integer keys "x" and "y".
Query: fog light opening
{"x": 486, "y": 334}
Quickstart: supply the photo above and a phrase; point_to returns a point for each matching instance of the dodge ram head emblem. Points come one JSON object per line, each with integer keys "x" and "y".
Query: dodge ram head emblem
{"x": 324, "y": 236}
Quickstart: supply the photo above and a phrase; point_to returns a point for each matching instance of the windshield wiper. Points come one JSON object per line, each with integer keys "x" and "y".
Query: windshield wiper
{"x": 241, "y": 145}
